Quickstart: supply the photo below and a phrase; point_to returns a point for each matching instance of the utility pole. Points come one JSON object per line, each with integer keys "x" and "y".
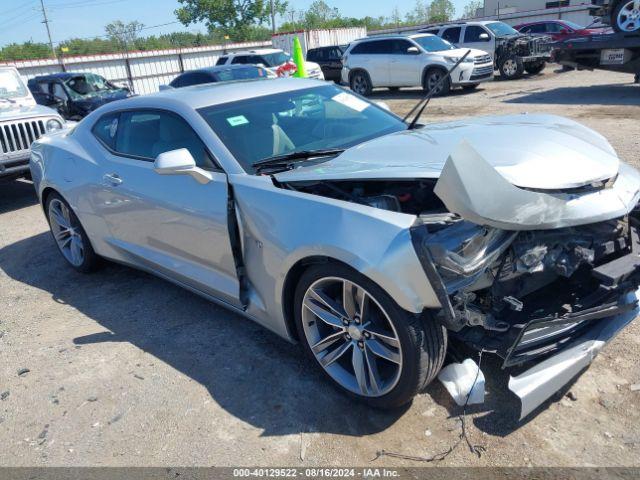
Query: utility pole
{"x": 273, "y": 18}
{"x": 46, "y": 23}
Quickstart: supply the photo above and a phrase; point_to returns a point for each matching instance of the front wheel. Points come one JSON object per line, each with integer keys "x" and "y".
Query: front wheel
{"x": 432, "y": 82}
{"x": 626, "y": 16}
{"x": 70, "y": 237}
{"x": 363, "y": 341}
{"x": 511, "y": 68}
{"x": 360, "y": 83}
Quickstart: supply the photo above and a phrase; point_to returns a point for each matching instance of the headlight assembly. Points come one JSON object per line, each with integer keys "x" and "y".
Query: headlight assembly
{"x": 53, "y": 125}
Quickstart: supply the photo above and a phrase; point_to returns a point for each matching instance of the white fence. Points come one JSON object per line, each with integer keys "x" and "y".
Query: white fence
{"x": 144, "y": 72}
{"x": 317, "y": 38}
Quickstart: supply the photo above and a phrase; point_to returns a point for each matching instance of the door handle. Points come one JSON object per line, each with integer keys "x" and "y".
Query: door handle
{"x": 112, "y": 179}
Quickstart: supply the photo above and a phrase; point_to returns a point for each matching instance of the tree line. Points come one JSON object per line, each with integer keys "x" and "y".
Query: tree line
{"x": 233, "y": 21}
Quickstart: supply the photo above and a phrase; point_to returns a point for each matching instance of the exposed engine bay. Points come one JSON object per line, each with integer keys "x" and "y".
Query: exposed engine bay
{"x": 525, "y": 46}
{"x": 519, "y": 294}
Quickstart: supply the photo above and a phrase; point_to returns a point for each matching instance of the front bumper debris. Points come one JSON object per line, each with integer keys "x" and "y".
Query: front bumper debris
{"x": 537, "y": 384}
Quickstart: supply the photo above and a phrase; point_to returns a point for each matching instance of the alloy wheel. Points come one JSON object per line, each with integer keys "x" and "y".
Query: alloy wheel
{"x": 510, "y": 67}
{"x": 629, "y": 16}
{"x": 351, "y": 336}
{"x": 433, "y": 80}
{"x": 66, "y": 232}
{"x": 360, "y": 84}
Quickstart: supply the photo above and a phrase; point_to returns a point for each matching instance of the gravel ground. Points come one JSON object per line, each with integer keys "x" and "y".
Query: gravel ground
{"x": 120, "y": 368}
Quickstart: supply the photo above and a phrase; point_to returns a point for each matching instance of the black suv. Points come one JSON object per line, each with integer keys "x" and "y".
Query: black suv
{"x": 75, "y": 95}
{"x": 329, "y": 59}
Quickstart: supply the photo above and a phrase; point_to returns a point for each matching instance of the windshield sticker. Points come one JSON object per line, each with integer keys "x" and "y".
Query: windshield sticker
{"x": 236, "y": 121}
{"x": 350, "y": 101}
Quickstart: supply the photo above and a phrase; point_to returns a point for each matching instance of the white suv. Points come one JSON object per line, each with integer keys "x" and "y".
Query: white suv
{"x": 395, "y": 61}
{"x": 274, "y": 60}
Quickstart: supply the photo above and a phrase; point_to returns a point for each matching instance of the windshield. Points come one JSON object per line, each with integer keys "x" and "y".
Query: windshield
{"x": 323, "y": 117}
{"x": 431, "y": 43}
{"x": 275, "y": 59}
{"x": 240, "y": 73}
{"x": 11, "y": 85}
{"x": 501, "y": 29}
{"x": 87, "y": 84}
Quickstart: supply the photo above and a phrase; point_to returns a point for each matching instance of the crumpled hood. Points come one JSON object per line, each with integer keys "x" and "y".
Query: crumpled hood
{"x": 14, "y": 111}
{"x": 530, "y": 151}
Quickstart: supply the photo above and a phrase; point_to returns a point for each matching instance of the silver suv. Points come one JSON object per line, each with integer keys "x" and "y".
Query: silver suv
{"x": 22, "y": 122}
{"x": 396, "y": 61}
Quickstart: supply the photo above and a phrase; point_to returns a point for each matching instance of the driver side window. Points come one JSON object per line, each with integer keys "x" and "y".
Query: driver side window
{"x": 144, "y": 134}
{"x": 57, "y": 90}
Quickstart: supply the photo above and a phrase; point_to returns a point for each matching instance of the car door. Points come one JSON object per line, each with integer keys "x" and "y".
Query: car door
{"x": 380, "y": 62}
{"x": 59, "y": 93}
{"x": 169, "y": 224}
{"x": 478, "y": 37}
{"x": 405, "y": 68}
{"x": 330, "y": 62}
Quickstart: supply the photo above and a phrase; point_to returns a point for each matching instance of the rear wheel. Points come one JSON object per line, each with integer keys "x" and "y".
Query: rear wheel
{"x": 70, "y": 237}
{"x": 511, "y": 68}
{"x": 363, "y": 341}
{"x": 360, "y": 83}
{"x": 535, "y": 68}
{"x": 431, "y": 79}
{"x": 626, "y": 16}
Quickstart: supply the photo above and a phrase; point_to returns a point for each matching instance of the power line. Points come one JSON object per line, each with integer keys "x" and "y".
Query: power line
{"x": 137, "y": 30}
{"x": 27, "y": 5}
{"x": 46, "y": 23}
{"x": 57, "y": 7}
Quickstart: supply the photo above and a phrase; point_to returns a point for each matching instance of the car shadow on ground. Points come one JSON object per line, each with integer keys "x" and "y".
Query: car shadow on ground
{"x": 16, "y": 194}
{"x": 610, "y": 94}
{"x": 415, "y": 93}
{"x": 250, "y": 372}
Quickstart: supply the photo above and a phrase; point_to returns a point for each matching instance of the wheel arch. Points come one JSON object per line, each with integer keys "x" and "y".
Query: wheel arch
{"x": 353, "y": 71}
{"x": 433, "y": 66}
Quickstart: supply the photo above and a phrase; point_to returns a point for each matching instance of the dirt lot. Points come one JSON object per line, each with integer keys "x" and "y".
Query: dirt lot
{"x": 126, "y": 369}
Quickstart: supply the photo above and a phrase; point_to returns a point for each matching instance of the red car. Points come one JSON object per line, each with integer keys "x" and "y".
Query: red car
{"x": 557, "y": 29}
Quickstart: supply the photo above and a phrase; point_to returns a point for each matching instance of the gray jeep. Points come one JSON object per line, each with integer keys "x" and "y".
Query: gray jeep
{"x": 22, "y": 121}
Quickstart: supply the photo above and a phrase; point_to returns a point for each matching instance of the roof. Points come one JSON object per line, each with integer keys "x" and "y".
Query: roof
{"x": 254, "y": 51}
{"x": 207, "y": 94}
{"x": 221, "y": 68}
{"x": 58, "y": 75}
{"x": 392, "y": 36}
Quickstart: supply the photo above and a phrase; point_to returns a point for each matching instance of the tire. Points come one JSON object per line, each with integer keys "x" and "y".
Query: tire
{"x": 431, "y": 77}
{"x": 511, "y": 68}
{"x": 470, "y": 87}
{"x": 535, "y": 68}
{"x": 400, "y": 371}
{"x": 360, "y": 83}
{"x": 74, "y": 247}
{"x": 625, "y": 18}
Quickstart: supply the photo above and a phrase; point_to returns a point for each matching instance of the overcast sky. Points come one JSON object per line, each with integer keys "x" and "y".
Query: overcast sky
{"x": 20, "y": 20}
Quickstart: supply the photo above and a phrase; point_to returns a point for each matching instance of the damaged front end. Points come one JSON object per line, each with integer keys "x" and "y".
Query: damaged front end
{"x": 547, "y": 297}
{"x": 534, "y": 295}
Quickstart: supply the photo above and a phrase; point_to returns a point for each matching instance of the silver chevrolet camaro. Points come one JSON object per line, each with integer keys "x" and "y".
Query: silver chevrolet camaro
{"x": 333, "y": 223}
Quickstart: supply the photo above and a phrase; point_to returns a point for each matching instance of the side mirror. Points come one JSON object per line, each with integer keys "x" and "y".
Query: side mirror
{"x": 413, "y": 51}
{"x": 484, "y": 37}
{"x": 180, "y": 162}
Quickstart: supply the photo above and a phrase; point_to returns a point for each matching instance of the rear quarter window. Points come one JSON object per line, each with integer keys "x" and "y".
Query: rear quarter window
{"x": 106, "y": 129}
